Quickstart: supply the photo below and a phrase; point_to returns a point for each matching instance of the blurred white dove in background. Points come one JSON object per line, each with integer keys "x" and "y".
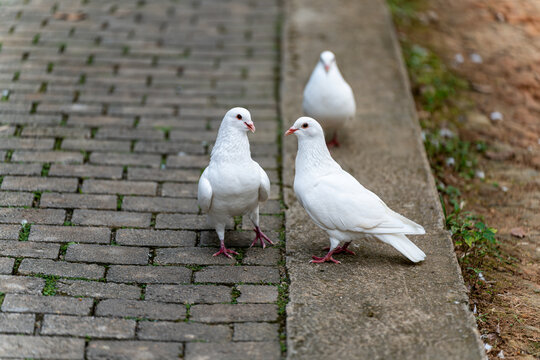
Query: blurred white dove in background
{"x": 339, "y": 204}
{"x": 233, "y": 184}
{"x": 328, "y": 97}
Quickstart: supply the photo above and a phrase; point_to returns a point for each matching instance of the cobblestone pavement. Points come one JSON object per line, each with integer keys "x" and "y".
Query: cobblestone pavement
{"x": 108, "y": 112}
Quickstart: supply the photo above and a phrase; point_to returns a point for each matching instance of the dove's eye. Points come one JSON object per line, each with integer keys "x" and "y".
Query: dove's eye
{"x": 239, "y": 117}
{"x": 304, "y": 125}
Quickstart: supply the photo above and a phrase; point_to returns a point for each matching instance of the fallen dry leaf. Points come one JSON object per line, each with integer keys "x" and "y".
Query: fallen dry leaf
{"x": 518, "y": 232}
{"x": 503, "y": 155}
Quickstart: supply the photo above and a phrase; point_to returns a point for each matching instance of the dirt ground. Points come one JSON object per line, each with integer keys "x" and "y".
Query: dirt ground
{"x": 495, "y": 46}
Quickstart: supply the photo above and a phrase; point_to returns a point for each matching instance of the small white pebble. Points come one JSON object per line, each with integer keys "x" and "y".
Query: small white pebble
{"x": 500, "y": 355}
{"x": 459, "y": 58}
{"x": 504, "y": 188}
{"x": 450, "y": 161}
{"x": 481, "y": 277}
{"x": 5, "y": 93}
{"x": 163, "y": 166}
{"x": 475, "y": 311}
{"x": 181, "y": 153}
{"x": 488, "y": 347}
{"x": 446, "y": 133}
{"x": 476, "y": 58}
{"x": 480, "y": 174}
{"x": 24, "y": 222}
{"x": 456, "y": 302}
{"x": 496, "y": 116}
{"x": 423, "y": 134}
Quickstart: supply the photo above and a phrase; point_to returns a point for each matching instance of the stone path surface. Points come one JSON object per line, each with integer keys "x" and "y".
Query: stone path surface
{"x": 108, "y": 112}
{"x": 375, "y": 305}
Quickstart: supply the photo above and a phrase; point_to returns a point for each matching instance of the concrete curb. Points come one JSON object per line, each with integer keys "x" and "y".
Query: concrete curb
{"x": 375, "y": 305}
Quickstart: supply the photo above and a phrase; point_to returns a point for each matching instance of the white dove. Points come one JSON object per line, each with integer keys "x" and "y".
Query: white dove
{"x": 233, "y": 184}
{"x": 339, "y": 204}
{"x": 328, "y": 97}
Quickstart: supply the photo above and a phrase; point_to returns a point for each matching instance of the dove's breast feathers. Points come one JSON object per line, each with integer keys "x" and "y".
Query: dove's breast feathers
{"x": 232, "y": 188}
{"x": 328, "y": 97}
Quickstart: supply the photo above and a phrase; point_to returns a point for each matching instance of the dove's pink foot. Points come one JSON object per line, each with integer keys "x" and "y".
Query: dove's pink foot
{"x": 260, "y": 236}
{"x": 327, "y": 258}
{"x": 341, "y": 249}
{"x": 334, "y": 142}
{"x": 223, "y": 250}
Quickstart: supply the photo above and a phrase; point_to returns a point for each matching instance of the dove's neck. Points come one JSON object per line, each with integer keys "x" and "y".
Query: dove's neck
{"x": 231, "y": 145}
{"x": 332, "y": 75}
{"x": 313, "y": 157}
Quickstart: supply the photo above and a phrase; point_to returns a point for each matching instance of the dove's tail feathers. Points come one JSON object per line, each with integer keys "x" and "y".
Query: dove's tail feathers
{"x": 410, "y": 228}
{"x": 404, "y": 246}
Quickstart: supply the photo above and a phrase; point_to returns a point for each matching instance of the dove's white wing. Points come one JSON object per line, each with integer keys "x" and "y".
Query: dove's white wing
{"x": 204, "y": 193}
{"x": 337, "y": 201}
{"x": 264, "y": 187}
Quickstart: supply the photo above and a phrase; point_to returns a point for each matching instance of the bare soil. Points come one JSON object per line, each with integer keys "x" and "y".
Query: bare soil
{"x": 495, "y": 46}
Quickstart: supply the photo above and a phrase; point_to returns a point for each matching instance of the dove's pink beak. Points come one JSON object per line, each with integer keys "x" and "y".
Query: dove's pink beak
{"x": 326, "y": 68}
{"x": 251, "y": 127}
{"x": 290, "y": 131}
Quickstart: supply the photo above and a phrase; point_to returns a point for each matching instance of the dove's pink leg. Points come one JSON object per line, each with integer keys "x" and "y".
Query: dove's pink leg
{"x": 341, "y": 249}
{"x": 223, "y": 250}
{"x": 260, "y": 236}
{"x": 328, "y": 257}
{"x": 334, "y": 142}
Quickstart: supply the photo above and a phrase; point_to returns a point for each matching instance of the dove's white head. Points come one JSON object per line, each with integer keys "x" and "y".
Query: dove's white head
{"x": 327, "y": 60}
{"x": 240, "y": 119}
{"x": 306, "y": 127}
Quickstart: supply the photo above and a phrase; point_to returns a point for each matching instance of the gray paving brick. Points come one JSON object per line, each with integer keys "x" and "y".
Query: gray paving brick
{"x": 166, "y": 147}
{"x": 91, "y": 171}
{"x": 179, "y": 190}
{"x": 17, "y": 323}
{"x": 16, "y": 198}
{"x": 260, "y": 256}
{"x": 190, "y": 255}
{"x": 111, "y": 218}
{"x": 119, "y": 187}
{"x": 232, "y": 238}
{"x": 19, "y": 143}
{"x": 19, "y": 169}
{"x": 99, "y": 290}
{"x": 9, "y": 232}
{"x": 96, "y": 327}
{"x": 125, "y": 159}
{"x": 233, "y": 351}
{"x": 155, "y": 237}
{"x": 132, "y": 134}
{"x": 226, "y": 313}
{"x": 36, "y": 216}
{"x": 95, "y": 145}
{"x": 68, "y": 157}
{"x": 107, "y": 254}
{"x": 186, "y": 222}
{"x": 79, "y": 201}
{"x": 188, "y": 161}
{"x": 256, "y": 332}
{"x": 160, "y": 204}
{"x": 61, "y": 268}
{"x": 257, "y": 294}
{"x": 34, "y": 347}
{"x": 190, "y": 294}
{"x": 55, "y": 131}
{"x": 141, "y": 309}
{"x": 46, "y": 304}
{"x": 97, "y": 121}
{"x": 236, "y": 274}
{"x": 163, "y": 175}
{"x": 6, "y": 265}
{"x": 29, "y": 249}
{"x": 149, "y": 274}
{"x": 46, "y": 233}
{"x": 133, "y": 350}
{"x": 23, "y": 183}
{"x": 266, "y": 223}
{"x": 21, "y": 284}
{"x": 182, "y": 331}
